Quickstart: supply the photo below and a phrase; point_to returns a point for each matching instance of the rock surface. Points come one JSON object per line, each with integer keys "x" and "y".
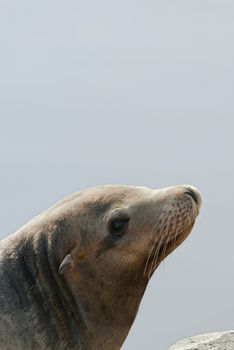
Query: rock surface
{"x": 209, "y": 341}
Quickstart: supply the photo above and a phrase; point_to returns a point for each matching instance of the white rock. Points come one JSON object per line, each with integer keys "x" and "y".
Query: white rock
{"x": 209, "y": 341}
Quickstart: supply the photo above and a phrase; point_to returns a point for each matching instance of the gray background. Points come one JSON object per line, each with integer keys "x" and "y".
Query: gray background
{"x": 127, "y": 92}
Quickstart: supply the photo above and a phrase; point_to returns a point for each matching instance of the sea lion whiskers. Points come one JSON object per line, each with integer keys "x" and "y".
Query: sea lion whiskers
{"x": 156, "y": 262}
{"x": 155, "y": 230}
{"x": 168, "y": 234}
{"x": 151, "y": 251}
{"x": 149, "y": 256}
{"x": 156, "y": 254}
{"x": 171, "y": 234}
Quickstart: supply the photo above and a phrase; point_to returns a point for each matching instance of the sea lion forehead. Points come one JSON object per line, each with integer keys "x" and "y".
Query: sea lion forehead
{"x": 101, "y": 199}
{"x": 108, "y": 192}
{"x": 116, "y": 194}
{"x": 116, "y": 189}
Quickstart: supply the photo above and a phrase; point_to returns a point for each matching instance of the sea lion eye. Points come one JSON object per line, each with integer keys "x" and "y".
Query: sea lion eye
{"x": 118, "y": 227}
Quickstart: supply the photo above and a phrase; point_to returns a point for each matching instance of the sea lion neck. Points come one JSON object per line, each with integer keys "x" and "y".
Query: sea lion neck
{"x": 59, "y": 300}
{"x": 86, "y": 300}
{"x": 108, "y": 303}
{"x": 33, "y": 279}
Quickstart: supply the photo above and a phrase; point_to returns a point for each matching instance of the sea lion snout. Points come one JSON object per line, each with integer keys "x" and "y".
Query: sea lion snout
{"x": 177, "y": 192}
{"x": 176, "y": 209}
{"x": 179, "y": 204}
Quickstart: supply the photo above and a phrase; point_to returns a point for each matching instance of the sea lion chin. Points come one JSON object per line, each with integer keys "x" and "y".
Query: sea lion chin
{"x": 73, "y": 277}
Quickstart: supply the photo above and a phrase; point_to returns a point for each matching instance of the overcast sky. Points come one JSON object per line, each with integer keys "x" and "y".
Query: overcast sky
{"x": 127, "y": 92}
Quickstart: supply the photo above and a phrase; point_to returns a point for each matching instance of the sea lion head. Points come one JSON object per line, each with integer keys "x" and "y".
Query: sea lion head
{"x": 131, "y": 228}
{"x": 118, "y": 237}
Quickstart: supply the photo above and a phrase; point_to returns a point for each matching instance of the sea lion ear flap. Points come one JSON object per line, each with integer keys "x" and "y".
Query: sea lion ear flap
{"x": 71, "y": 260}
{"x": 67, "y": 262}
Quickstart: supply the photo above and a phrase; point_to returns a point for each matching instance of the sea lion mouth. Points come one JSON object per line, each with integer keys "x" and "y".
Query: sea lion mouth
{"x": 172, "y": 243}
{"x": 162, "y": 247}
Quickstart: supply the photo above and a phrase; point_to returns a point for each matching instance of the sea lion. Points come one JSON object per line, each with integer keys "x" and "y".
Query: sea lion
{"x": 74, "y": 276}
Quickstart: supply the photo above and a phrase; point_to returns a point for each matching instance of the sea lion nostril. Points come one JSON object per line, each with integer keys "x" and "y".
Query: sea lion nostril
{"x": 192, "y": 194}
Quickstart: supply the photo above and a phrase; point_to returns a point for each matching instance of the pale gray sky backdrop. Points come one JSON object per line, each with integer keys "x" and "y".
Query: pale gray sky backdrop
{"x": 127, "y": 92}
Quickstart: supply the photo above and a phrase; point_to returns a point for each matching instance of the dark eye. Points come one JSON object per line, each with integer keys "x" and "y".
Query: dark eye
{"x": 118, "y": 227}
